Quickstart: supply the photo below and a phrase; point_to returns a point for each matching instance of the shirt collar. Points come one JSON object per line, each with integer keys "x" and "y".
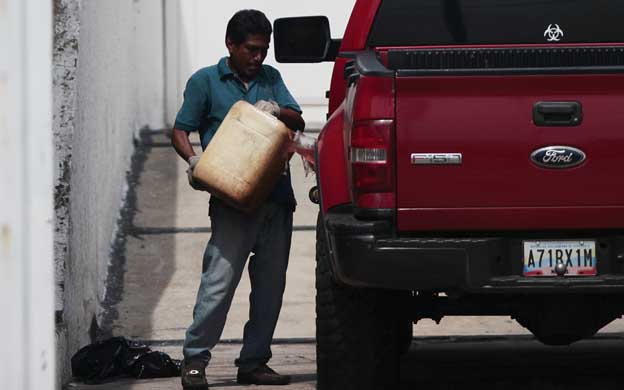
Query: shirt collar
{"x": 225, "y": 71}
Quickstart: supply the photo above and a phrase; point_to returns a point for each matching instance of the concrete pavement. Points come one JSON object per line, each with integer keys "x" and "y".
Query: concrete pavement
{"x": 444, "y": 363}
{"x": 163, "y": 253}
{"x": 297, "y": 360}
{"x": 156, "y": 270}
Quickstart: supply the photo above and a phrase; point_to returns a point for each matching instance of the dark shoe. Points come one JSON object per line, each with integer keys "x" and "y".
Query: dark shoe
{"x": 262, "y": 375}
{"x": 194, "y": 375}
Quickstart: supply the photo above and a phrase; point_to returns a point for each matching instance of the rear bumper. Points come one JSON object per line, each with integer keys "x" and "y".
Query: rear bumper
{"x": 368, "y": 254}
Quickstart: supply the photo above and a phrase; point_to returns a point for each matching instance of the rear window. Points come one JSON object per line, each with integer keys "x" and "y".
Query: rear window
{"x": 480, "y": 22}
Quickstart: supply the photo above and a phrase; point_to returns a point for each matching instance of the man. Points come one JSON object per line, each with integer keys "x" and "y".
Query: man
{"x": 209, "y": 95}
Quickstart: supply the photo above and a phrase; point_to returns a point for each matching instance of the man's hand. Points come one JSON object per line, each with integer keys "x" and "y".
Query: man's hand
{"x": 270, "y": 107}
{"x": 193, "y": 160}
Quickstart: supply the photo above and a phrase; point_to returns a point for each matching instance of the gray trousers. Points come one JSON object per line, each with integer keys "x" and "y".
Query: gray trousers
{"x": 267, "y": 233}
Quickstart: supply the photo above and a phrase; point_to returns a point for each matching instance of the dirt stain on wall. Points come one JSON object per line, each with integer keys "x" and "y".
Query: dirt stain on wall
{"x": 5, "y": 241}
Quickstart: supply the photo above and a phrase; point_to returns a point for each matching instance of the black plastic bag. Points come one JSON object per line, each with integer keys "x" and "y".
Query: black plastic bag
{"x": 155, "y": 365}
{"x": 116, "y": 357}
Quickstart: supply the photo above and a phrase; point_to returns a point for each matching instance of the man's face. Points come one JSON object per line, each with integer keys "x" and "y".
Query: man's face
{"x": 247, "y": 57}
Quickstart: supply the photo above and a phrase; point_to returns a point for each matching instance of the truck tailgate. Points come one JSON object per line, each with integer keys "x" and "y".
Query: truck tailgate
{"x": 489, "y": 121}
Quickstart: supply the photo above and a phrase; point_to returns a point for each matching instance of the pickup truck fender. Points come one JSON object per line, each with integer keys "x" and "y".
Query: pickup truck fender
{"x": 332, "y": 163}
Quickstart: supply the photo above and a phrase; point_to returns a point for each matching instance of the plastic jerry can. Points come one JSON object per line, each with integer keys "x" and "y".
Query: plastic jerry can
{"x": 245, "y": 158}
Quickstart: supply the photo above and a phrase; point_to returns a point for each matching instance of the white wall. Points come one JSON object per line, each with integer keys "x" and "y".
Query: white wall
{"x": 26, "y": 273}
{"x": 114, "y": 88}
{"x": 200, "y": 42}
{"x": 120, "y": 90}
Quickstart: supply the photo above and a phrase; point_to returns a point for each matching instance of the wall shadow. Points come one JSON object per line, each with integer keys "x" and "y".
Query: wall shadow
{"x": 125, "y": 265}
{"x": 142, "y": 261}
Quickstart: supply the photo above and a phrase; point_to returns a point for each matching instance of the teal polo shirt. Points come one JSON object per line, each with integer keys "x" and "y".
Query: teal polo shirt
{"x": 211, "y": 92}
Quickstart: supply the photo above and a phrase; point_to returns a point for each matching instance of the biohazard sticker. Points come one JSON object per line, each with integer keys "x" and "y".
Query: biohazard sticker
{"x": 553, "y": 33}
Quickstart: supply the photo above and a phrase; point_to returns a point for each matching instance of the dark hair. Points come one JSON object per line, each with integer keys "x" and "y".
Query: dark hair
{"x": 247, "y": 22}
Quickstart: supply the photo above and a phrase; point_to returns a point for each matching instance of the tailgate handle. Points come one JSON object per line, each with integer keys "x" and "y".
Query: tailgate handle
{"x": 557, "y": 114}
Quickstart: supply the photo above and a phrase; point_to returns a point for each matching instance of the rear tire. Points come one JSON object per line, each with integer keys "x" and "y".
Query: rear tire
{"x": 406, "y": 335}
{"x": 358, "y": 332}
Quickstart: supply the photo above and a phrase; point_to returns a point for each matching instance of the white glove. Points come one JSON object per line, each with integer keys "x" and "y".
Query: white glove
{"x": 270, "y": 107}
{"x": 193, "y": 160}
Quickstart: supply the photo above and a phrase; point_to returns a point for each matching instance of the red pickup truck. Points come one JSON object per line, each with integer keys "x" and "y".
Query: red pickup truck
{"x": 470, "y": 165}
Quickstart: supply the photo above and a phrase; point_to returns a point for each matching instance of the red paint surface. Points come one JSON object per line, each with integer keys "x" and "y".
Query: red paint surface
{"x": 374, "y": 99}
{"x": 333, "y": 163}
{"x": 354, "y": 39}
{"x": 489, "y": 121}
{"x": 369, "y": 110}
{"x": 334, "y": 174}
{"x": 362, "y": 17}
{"x": 510, "y": 218}
{"x": 377, "y": 200}
{"x": 338, "y": 85}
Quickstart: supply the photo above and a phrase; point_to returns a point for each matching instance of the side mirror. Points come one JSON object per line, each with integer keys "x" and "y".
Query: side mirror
{"x": 304, "y": 39}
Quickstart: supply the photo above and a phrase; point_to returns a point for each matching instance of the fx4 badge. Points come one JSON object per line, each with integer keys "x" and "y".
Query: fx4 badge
{"x": 558, "y": 157}
{"x": 553, "y": 34}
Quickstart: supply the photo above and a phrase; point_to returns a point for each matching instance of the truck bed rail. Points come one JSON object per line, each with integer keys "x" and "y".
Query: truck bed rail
{"x": 517, "y": 60}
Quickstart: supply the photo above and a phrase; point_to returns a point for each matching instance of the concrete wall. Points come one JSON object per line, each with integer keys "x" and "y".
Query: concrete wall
{"x": 196, "y": 38}
{"x": 65, "y": 63}
{"x": 108, "y": 83}
{"x": 26, "y": 273}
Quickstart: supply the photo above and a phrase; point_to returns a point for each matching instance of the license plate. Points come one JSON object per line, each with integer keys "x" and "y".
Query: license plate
{"x": 541, "y": 258}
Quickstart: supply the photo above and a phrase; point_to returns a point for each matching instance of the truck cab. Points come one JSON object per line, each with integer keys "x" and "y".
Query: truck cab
{"x": 470, "y": 165}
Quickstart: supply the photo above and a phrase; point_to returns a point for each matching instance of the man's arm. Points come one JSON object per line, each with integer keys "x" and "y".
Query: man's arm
{"x": 291, "y": 118}
{"x": 182, "y": 144}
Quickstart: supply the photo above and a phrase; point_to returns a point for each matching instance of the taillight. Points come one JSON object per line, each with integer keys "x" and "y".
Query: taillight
{"x": 370, "y": 113}
{"x": 372, "y": 161}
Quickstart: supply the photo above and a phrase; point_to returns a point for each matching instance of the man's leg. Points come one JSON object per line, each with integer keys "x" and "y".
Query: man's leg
{"x": 267, "y": 271}
{"x": 233, "y": 236}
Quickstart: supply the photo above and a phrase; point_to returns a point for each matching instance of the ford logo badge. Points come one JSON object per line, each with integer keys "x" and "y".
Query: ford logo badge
{"x": 558, "y": 157}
